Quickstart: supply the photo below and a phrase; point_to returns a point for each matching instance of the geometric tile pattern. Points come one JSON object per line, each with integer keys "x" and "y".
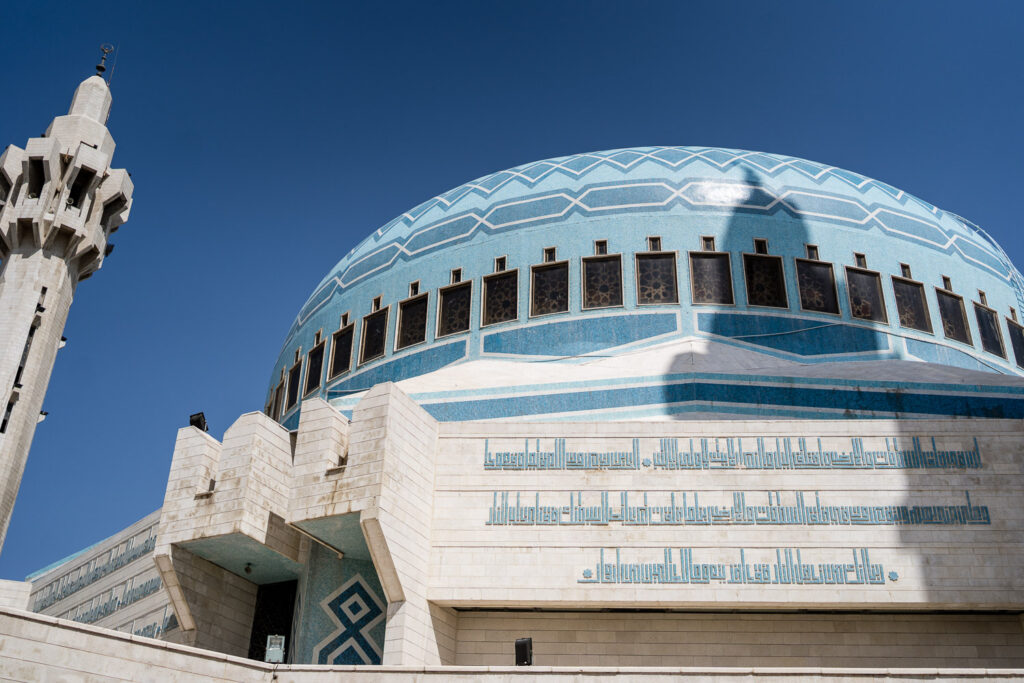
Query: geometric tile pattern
{"x": 355, "y": 610}
{"x": 694, "y": 181}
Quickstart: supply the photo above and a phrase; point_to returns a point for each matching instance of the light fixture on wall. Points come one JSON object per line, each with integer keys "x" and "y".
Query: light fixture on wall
{"x": 524, "y": 651}
{"x": 198, "y": 420}
{"x": 248, "y": 568}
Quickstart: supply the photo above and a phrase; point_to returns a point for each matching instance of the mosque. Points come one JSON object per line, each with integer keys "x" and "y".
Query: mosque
{"x": 721, "y": 412}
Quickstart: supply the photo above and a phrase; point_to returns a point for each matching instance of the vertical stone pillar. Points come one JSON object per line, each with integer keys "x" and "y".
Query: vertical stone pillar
{"x": 59, "y": 203}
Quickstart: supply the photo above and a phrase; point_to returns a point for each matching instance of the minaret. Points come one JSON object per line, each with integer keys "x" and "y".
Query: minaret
{"x": 59, "y": 203}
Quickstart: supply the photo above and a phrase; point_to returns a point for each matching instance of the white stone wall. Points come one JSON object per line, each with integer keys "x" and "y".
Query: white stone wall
{"x": 39, "y": 648}
{"x": 926, "y": 566}
{"x": 14, "y": 594}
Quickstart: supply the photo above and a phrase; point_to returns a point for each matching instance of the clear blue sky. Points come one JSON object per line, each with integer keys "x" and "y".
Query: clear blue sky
{"x": 266, "y": 139}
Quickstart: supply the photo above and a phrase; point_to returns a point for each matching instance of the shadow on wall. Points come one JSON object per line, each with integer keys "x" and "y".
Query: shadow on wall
{"x": 762, "y": 285}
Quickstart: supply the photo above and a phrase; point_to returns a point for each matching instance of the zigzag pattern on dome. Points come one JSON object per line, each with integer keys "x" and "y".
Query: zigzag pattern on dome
{"x": 656, "y": 194}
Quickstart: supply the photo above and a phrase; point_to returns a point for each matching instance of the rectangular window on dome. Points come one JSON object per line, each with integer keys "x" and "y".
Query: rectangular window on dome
{"x": 988, "y": 330}
{"x": 454, "y": 304}
{"x": 656, "y": 281}
{"x": 1016, "y": 341}
{"x": 294, "y": 375}
{"x": 341, "y": 351}
{"x": 549, "y": 290}
{"x": 412, "y": 322}
{"x": 602, "y": 281}
{"x": 766, "y": 285}
{"x": 375, "y": 330}
{"x": 710, "y": 277}
{"x": 314, "y": 367}
{"x": 864, "y": 288}
{"x": 501, "y": 297}
{"x": 911, "y": 305}
{"x": 817, "y": 283}
{"x": 954, "y": 317}
{"x": 278, "y": 404}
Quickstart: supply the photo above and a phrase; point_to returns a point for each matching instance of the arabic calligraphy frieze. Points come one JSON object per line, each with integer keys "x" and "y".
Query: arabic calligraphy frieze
{"x": 738, "y": 453}
{"x": 788, "y": 568}
{"x": 602, "y": 508}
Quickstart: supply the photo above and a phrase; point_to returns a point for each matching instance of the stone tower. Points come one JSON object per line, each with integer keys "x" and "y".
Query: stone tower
{"x": 59, "y": 203}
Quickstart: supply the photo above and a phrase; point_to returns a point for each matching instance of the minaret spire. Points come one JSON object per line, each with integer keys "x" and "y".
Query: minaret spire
{"x": 59, "y": 203}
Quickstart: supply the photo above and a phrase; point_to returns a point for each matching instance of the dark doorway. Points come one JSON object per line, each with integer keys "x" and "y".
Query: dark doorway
{"x": 275, "y": 604}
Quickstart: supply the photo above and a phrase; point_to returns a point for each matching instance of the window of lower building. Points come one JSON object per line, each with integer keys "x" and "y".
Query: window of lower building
{"x": 501, "y": 297}
{"x": 864, "y": 288}
{"x": 412, "y": 322}
{"x": 954, "y": 317}
{"x": 656, "y": 281}
{"x": 817, "y": 283}
{"x": 375, "y": 330}
{"x": 911, "y": 306}
{"x": 314, "y": 367}
{"x": 549, "y": 291}
{"x": 454, "y": 305}
{"x": 602, "y": 281}
{"x": 1016, "y": 341}
{"x": 341, "y": 351}
{"x": 766, "y": 285}
{"x": 710, "y": 277}
{"x": 988, "y": 330}
{"x": 294, "y": 375}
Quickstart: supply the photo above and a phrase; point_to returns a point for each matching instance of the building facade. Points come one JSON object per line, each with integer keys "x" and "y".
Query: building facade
{"x": 648, "y": 407}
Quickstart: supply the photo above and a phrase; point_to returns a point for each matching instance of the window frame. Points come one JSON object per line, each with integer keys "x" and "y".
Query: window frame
{"x": 583, "y": 282}
{"x": 398, "y": 322}
{"x": 331, "y": 372}
{"x": 746, "y": 285}
{"x": 881, "y": 294}
{"x": 835, "y": 285}
{"x": 483, "y": 297}
{"x": 320, "y": 380}
{"x": 999, "y": 330}
{"x": 732, "y": 284}
{"x": 1009, "y": 325}
{"x": 386, "y": 311}
{"x": 924, "y": 298}
{"x": 296, "y": 367}
{"x": 675, "y": 274}
{"x": 963, "y": 309}
{"x": 440, "y": 306}
{"x": 564, "y": 263}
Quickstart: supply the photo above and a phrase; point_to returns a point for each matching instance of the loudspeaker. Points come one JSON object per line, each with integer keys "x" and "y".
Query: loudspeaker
{"x": 524, "y": 651}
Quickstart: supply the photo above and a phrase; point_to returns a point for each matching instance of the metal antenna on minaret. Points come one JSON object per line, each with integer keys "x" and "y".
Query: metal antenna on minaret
{"x": 106, "y": 48}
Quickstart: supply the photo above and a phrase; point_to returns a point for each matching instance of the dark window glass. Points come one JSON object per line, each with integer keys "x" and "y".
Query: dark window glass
{"x": 375, "y": 328}
{"x": 865, "y": 289}
{"x": 293, "y": 384}
{"x": 275, "y": 409}
{"x": 455, "y": 305}
{"x": 656, "y": 279}
{"x": 602, "y": 282}
{"x": 1016, "y": 341}
{"x": 412, "y": 321}
{"x": 988, "y": 330}
{"x": 911, "y": 305}
{"x": 765, "y": 283}
{"x": 501, "y": 296}
{"x": 954, "y": 318}
{"x": 314, "y": 368}
{"x": 341, "y": 350}
{"x": 817, "y": 285}
{"x": 710, "y": 278}
{"x": 550, "y": 291}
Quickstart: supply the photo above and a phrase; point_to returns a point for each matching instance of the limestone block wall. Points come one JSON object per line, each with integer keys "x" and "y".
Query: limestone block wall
{"x": 391, "y": 428}
{"x": 39, "y": 648}
{"x": 321, "y": 445}
{"x": 14, "y": 594}
{"x": 626, "y": 639}
{"x": 219, "y": 603}
{"x": 919, "y": 515}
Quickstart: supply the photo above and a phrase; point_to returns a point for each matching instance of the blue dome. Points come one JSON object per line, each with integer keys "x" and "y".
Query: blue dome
{"x": 906, "y": 277}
